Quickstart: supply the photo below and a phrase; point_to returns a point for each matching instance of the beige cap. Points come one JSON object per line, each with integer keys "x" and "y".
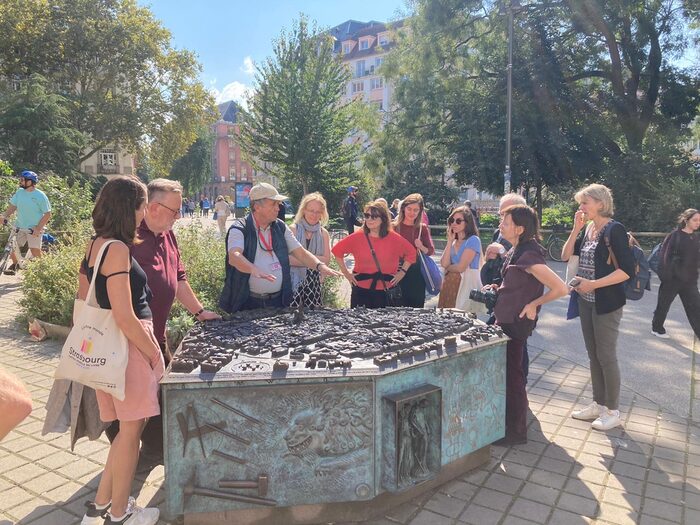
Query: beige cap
{"x": 263, "y": 190}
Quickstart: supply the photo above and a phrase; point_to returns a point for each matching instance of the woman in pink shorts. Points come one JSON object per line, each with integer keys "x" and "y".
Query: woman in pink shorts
{"x": 121, "y": 286}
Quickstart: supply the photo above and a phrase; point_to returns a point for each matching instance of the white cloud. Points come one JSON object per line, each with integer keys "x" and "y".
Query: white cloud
{"x": 234, "y": 91}
{"x": 248, "y": 66}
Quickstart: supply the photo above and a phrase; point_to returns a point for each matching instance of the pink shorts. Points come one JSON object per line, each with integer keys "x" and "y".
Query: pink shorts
{"x": 141, "y": 396}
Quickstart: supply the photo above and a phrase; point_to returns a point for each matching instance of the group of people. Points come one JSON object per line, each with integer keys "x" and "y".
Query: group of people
{"x": 270, "y": 264}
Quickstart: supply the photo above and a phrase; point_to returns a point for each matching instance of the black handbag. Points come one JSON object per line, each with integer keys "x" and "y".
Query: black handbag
{"x": 393, "y": 294}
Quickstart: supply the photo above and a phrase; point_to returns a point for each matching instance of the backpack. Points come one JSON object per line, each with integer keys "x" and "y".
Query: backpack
{"x": 654, "y": 259}
{"x": 641, "y": 279}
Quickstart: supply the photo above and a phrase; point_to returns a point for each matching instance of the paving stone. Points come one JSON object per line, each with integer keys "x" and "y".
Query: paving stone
{"x": 664, "y": 493}
{"x": 577, "y": 504}
{"x": 503, "y": 483}
{"x": 492, "y": 499}
{"x": 633, "y": 486}
{"x": 446, "y": 505}
{"x": 425, "y": 517}
{"x": 548, "y": 479}
{"x": 621, "y": 498}
{"x": 555, "y": 465}
{"x": 478, "y": 515}
{"x": 581, "y": 487}
{"x": 31, "y": 510}
{"x": 617, "y": 515}
{"x": 55, "y": 517}
{"x": 403, "y": 513}
{"x": 459, "y": 489}
{"x": 541, "y": 494}
{"x": 25, "y": 473}
{"x": 67, "y": 491}
{"x": 633, "y": 458}
{"x": 14, "y": 496}
{"x": 646, "y": 519}
{"x": 631, "y": 471}
{"x": 11, "y": 462}
{"x": 562, "y": 517}
{"x": 522, "y": 457}
{"x": 598, "y": 477}
{"x": 530, "y": 510}
{"x": 45, "y": 482}
{"x": 662, "y": 509}
{"x": 514, "y": 470}
{"x": 515, "y": 520}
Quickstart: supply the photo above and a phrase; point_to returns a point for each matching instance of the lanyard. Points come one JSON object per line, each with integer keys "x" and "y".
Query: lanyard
{"x": 266, "y": 245}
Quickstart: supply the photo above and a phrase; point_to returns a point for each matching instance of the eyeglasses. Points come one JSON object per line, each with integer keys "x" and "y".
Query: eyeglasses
{"x": 372, "y": 216}
{"x": 175, "y": 212}
{"x": 456, "y": 221}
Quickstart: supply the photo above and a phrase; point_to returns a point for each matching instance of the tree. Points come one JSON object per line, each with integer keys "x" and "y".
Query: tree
{"x": 193, "y": 169}
{"x": 114, "y": 64}
{"x": 296, "y": 124}
{"x": 595, "y": 92}
{"x": 35, "y": 129}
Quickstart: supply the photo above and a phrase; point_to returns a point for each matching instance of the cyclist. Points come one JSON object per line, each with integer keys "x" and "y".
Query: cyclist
{"x": 33, "y": 212}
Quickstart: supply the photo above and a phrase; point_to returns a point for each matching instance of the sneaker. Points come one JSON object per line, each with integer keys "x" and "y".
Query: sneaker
{"x": 11, "y": 270}
{"x": 93, "y": 515}
{"x": 607, "y": 420}
{"x": 661, "y": 333}
{"x": 590, "y": 413}
{"x": 135, "y": 515}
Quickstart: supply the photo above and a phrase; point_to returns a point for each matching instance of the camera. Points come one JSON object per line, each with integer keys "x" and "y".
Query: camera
{"x": 488, "y": 297}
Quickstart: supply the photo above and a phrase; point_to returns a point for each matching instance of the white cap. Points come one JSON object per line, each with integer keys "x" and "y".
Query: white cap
{"x": 263, "y": 190}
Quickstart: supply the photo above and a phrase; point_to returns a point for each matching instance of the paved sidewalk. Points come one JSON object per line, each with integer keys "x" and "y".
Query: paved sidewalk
{"x": 648, "y": 473}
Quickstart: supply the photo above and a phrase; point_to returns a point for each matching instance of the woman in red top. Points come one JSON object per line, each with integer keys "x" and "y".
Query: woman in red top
{"x": 409, "y": 225}
{"x": 368, "y": 283}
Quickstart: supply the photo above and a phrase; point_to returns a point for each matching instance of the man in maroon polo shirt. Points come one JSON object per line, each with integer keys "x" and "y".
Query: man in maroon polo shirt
{"x": 159, "y": 256}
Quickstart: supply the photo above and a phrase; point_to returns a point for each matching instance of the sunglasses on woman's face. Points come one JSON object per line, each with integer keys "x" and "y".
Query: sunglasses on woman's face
{"x": 372, "y": 216}
{"x": 452, "y": 220}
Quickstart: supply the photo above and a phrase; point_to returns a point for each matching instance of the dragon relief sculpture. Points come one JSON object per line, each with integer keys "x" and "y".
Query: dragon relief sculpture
{"x": 334, "y": 433}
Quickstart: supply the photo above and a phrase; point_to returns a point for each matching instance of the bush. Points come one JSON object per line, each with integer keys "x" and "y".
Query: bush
{"x": 561, "y": 214}
{"x": 203, "y": 254}
{"x": 488, "y": 220}
{"x": 50, "y": 284}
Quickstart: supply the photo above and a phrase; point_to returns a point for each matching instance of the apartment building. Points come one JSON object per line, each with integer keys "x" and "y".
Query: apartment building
{"x": 363, "y": 47}
{"x": 109, "y": 162}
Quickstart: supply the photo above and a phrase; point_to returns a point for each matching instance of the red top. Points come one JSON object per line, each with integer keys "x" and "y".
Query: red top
{"x": 410, "y": 233}
{"x": 389, "y": 250}
{"x": 159, "y": 256}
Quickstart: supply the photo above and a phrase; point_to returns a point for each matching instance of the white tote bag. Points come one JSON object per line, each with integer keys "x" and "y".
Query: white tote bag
{"x": 471, "y": 280}
{"x": 96, "y": 351}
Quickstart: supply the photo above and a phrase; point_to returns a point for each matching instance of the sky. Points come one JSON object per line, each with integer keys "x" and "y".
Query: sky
{"x": 230, "y": 36}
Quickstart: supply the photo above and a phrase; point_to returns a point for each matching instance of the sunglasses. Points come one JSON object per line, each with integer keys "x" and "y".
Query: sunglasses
{"x": 372, "y": 216}
{"x": 458, "y": 221}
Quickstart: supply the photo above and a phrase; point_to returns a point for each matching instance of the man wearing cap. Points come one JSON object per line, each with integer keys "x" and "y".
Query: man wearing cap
{"x": 257, "y": 262}
{"x": 33, "y": 212}
{"x": 351, "y": 211}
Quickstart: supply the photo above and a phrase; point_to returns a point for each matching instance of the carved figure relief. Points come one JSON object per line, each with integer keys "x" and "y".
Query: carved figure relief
{"x": 415, "y": 436}
{"x": 334, "y": 434}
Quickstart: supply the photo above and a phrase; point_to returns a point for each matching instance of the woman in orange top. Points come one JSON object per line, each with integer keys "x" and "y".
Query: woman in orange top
{"x": 368, "y": 282}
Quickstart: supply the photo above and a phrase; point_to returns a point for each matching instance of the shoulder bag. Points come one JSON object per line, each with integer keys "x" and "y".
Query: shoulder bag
{"x": 393, "y": 294}
{"x": 429, "y": 268}
{"x": 96, "y": 351}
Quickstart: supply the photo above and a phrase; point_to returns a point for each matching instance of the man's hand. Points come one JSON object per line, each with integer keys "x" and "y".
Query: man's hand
{"x": 208, "y": 315}
{"x": 258, "y": 274}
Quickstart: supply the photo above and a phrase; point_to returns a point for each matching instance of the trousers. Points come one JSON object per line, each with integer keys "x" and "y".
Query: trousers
{"x": 690, "y": 297}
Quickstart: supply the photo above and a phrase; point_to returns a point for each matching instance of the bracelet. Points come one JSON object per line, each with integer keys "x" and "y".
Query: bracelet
{"x": 319, "y": 265}
{"x": 401, "y": 270}
{"x": 198, "y": 313}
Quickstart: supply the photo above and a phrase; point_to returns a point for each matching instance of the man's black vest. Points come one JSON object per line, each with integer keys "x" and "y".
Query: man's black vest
{"x": 236, "y": 287}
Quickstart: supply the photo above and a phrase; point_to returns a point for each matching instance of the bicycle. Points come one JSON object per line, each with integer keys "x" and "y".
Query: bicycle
{"x": 337, "y": 235}
{"x": 554, "y": 243}
{"x": 11, "y": 246}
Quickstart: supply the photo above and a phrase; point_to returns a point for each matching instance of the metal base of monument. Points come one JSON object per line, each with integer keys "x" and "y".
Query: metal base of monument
{"x": 341, "y": 512}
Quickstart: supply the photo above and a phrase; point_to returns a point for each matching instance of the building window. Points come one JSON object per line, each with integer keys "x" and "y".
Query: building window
{"x": 358, "y": 87}
{"x": 378, "y": 104}
{"x": 376, "y": 83}
{"x": 346, "y": 48}
{"x": 360, "y": 68}
{"x": 364, "y": 44}
{"x": 378, "y": 62}
{"x": 108, "y": 158}
{"x": 383, "y": 41}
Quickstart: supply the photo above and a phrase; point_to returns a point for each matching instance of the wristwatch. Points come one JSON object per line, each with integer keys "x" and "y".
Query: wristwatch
{"x": 319, "y": 265}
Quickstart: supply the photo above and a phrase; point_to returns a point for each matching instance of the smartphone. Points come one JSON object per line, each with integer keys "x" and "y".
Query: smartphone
{"x": 574, "y": 282}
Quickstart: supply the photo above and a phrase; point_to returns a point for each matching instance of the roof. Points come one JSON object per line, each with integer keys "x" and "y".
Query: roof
{"x": 229, "y": 111}
{"x": 354, "y": 30}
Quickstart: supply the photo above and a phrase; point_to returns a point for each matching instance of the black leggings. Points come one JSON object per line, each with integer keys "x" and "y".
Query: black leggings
{"x": 413, "y": 287}
{"x": 367, "y": 298}
{"x": 690, "y": 297}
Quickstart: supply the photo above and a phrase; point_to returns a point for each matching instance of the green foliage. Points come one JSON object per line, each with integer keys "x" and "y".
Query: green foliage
{"x": 558, "y": 215}
{"x": 203, "y": 254}
{"x": 177, "y": 327}
{"x": 50, "y": 284}
{"x": 114, "y": 64}
{"x": 71, "y": 205}
{"x": 193, "y": 169}
{"x": 297, "y": 123}
{"x": 36, "y": 131}
{"x": 330, "y": 288}
{"x": 488, "y": 220}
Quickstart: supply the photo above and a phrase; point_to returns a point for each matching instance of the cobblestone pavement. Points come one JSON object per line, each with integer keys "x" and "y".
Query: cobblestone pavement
{"x": 646, "y": 473}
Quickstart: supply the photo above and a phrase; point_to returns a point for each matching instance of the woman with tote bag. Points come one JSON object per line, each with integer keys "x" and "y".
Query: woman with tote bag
{"x": 461, "y": 261}
{"x": 120, "y": 285}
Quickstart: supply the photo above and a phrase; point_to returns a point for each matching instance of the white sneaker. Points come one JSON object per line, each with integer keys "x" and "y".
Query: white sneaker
{"x": 591, "y": 412}
{"x": 135, "y": 515}
{"x": 607, "y": 420}
{"x": 660, "y": 335}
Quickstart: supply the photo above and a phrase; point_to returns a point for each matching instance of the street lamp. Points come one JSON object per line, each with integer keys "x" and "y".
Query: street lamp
{"x": 510, "y": 8}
